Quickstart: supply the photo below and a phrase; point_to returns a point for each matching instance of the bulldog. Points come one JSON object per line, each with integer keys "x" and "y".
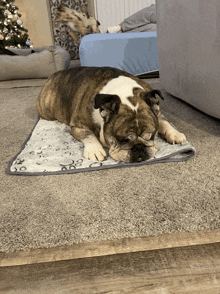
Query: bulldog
{"x": 107, "y": 108}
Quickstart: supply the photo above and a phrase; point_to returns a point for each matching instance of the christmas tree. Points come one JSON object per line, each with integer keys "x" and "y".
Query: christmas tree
{"x": 12, "y": 32}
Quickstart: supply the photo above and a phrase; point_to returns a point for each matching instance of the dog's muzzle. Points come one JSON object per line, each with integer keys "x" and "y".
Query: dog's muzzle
{"x": 142, "y": 151}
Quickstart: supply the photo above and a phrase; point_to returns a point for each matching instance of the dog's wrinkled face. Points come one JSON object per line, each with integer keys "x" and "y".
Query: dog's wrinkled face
{"x": 129, "y": 129}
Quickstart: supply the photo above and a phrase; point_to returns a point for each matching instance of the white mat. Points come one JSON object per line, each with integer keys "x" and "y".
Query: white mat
{"x": 51, "y": 149}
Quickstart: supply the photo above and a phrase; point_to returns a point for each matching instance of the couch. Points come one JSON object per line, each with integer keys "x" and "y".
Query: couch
{"x": 189, "y": 51}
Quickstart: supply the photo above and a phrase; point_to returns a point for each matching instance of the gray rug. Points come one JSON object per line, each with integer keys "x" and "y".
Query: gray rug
{"x": 51, "y": 149}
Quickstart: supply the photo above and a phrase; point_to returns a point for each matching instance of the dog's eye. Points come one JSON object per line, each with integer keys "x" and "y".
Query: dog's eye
{"x": 122, "y": 140}
{"x": 132, "y": 137}
{"x": 148, "y": 135}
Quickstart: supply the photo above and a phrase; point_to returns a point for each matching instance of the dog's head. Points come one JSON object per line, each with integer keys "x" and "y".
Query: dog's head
{"x": 130, "y": 129}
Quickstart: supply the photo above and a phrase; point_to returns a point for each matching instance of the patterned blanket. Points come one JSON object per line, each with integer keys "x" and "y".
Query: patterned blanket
{"x": 51, "y": 149}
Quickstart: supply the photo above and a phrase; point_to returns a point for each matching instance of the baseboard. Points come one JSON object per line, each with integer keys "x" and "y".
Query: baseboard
{"x": 108, "y": 247}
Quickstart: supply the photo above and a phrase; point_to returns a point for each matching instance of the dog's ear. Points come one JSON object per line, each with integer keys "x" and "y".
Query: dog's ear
{"x": 108, "y": 105}
{"x": 97, "y": 23}
{"x": 151, "y": 99}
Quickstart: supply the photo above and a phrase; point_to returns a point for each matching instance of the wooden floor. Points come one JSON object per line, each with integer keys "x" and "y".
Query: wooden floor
{"x": 190, "y": 269}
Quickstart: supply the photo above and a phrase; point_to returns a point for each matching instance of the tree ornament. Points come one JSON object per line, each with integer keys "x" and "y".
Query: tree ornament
{"x": 7, "y": 38}
{"x": 5, "y": 30}
{"x": 1, "y": 37}
{"x": 10, "y": 16}
{"x": 7, "y": 12}
{"x": 19, "y": 22}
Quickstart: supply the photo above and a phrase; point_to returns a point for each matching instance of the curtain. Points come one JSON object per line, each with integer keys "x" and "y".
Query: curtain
{"x": 61, "y": 36}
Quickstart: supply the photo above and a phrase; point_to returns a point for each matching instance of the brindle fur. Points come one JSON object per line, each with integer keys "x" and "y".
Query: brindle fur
{"x": 69, "y": 96}
{"x": 77, "y": 22}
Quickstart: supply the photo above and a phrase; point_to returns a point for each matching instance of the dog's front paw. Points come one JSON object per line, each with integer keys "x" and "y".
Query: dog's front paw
{"x": 94, "y": 152}
{"x": 175, "y": 137}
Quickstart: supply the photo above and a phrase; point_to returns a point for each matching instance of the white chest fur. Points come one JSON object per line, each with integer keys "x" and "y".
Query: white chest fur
{"x": 99, "y": 121}
{"x": 121, "y": 86}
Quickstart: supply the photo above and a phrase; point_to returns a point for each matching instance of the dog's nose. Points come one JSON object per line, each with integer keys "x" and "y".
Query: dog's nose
{"x": 139, "y": 153}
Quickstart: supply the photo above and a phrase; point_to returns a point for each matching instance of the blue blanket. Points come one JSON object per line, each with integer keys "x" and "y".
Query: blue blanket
{"x": 135, "y": 53}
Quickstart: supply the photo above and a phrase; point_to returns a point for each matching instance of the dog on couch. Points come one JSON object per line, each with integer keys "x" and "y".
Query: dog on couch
{"x": 107, "y": 108}
{"x": 76, "y": 22}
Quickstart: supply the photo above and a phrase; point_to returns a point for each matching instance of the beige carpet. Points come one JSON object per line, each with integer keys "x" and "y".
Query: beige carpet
{"x": 42, "y": 212}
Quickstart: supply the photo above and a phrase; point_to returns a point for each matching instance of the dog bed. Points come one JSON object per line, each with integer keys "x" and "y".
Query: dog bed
{"x": 135, "y": 53}
{"x": 40, "y": 64}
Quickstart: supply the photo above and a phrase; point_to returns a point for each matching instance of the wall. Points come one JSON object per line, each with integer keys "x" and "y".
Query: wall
{"x": 36, "y": 19}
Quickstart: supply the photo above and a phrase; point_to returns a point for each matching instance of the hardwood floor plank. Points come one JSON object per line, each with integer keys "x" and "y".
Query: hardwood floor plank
{"x": 102, "y": 248}
{"x": 183, "y": 270}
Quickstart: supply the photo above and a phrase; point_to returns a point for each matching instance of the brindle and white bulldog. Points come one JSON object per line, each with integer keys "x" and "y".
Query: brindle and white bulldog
{"x": 107, "y": 107}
